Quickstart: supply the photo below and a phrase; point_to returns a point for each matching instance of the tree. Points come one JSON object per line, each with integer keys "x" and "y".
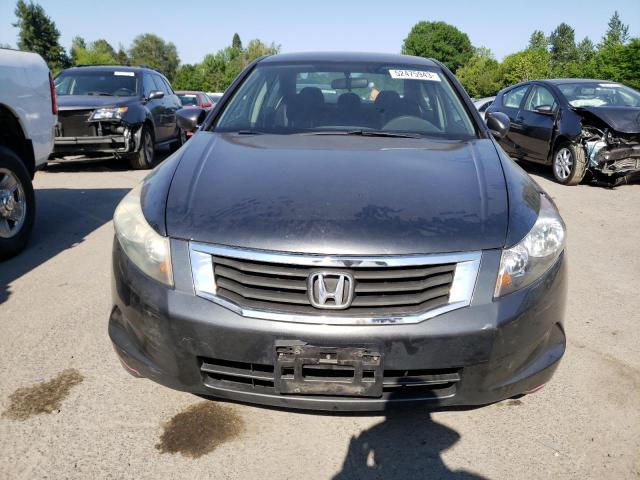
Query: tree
{"x": 525, "y": 65}
{"x": 99, "y": 52}
{"x": 617, "y": 32}
{"x": 617, "y": 62}
{"x": 481, "y": 75}
{"x": 149, "y": 49}
{"x": 190, "y": 77}
{"x": 563, "y": 46}
{"x": 77, "y": 44}
{"x": 218, "y": 70}
{"x": 538, "y": 41}
{"x": 122, "y": 57}
{"x": 236, "y": 42}
{"x": 38, "y": 33}
{"x": 586, "y": 50}
{"x": 441, "y": 41}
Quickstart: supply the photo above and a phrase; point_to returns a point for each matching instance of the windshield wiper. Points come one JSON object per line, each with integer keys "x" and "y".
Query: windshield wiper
{"x": 101, "y": 94}
{"x": 365, "y": 133}
{"x": 249, "y": 132}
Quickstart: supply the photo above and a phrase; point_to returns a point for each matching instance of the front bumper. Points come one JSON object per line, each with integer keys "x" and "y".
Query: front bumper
{"x": 497, "y": 349}
{"x": 83, "y": 145}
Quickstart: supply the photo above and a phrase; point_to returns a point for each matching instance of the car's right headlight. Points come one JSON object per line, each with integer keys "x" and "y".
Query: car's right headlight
{"x": 526, "y": 261}
{"x": 145, "y": 247}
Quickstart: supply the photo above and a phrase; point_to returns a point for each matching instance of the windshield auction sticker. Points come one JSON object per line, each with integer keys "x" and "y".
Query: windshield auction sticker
{"x": 415, "y": 75}
{"x": 124, "y": 74}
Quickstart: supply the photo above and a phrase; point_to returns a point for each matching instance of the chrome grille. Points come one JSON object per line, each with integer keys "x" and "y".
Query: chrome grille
{"x": 394, "y": 289}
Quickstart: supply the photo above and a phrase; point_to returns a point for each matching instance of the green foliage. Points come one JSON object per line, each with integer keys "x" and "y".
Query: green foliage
{"x": 441, "y": 41}
{"x": 38, "y": 33}
{"x": 481, "y": 75}
{"x": 190, "y": 77}
{"x": 538, "y": 41}
{"x": 563, "y": 47}
{"x": 619, "y": 63}
{"x": 77, "y": 44}
{"x": 149, "y": 49}
{"x": 586, "y": 50}
{"x": 617, "y": 32}
{"x": 526, "y": 65}
{"x": 99, "y": 52}
{"x": 236, "y": 42}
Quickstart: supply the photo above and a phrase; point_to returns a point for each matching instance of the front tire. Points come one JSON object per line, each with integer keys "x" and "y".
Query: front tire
{"x": 182, "y": 138}
{"x": 569, "y": 163}
{"x": 17, "y": 204}
{"x": 144, "y": 157}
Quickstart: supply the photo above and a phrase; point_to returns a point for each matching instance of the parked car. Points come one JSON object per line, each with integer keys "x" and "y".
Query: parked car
{"x": 191, "y": 99}
{"x": 483, "y": 103}
{"x": 341, "y": 256}
{"x": 215, "y": 97}
{"x": 27, "y": 120}
{"x": 575, "y": 126}
{"x": 113, "y": 110}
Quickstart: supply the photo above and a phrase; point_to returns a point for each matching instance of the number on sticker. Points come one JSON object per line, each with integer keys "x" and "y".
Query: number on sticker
{"x": 415, "y": 75}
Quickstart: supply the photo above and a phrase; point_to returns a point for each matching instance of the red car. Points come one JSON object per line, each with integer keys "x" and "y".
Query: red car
{"x": 191, "y": 99}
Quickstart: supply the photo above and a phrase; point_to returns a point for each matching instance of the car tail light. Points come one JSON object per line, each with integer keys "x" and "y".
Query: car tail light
{"x": 54, "y": 106}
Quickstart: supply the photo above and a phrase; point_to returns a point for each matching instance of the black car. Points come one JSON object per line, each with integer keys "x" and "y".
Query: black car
{"x": 574, "y": 125}
{"x": 125, "y": 111}
{"x": 341, "y": 252}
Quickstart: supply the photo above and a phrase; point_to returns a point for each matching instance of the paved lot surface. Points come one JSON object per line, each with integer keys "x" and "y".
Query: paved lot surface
{"x": 55, "y": 356}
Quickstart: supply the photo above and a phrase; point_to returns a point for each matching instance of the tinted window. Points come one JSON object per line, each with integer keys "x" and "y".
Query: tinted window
{"x": 160, "y": 84}
{"x": 485, "y": 106}
{"x": 148, "y": 85}
{"x": 289, "y": 99}
{"x": 513, "y": 98}
{"x": 540, "y": 96}
{"x": 102, "y": 83}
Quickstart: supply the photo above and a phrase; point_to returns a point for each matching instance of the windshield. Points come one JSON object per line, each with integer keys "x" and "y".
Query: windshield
{"x": 108, "y": 83}
{"x": 599, "y": 94}
{"x": 346, "y": 97}
{"x": 188, "y": 99}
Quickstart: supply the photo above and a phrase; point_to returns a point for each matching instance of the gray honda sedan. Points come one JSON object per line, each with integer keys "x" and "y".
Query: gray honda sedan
{"x": 343, "y": 232}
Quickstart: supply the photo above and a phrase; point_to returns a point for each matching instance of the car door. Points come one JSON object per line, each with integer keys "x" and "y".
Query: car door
{"x": 538, "y": 123}
{"x": 512, "y": 101}
{"x": 172, "y": 104}
{"x": 155, "y": 105}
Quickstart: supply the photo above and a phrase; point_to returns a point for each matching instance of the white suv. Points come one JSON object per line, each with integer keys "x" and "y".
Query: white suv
{"x": 27, "y": 120}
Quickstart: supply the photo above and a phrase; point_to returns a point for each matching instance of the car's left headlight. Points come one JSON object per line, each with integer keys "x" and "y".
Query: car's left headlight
{"x": 526, "y": 261}
{"x": 147, "y": 249}
{"x": 110, "y": 113}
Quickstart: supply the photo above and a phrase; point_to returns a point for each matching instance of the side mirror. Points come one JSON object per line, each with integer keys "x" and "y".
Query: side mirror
{"x": 189, "y": 119}
{"x": 544, "y": 109}
{"x": 155, "y": 94}
{"x": 498, "y": 124}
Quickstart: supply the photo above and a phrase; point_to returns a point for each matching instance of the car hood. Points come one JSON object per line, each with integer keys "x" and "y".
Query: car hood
{"x": 77, "y": 102}
{"x": 621, "y": 119}
{"x": 339, "y": 194}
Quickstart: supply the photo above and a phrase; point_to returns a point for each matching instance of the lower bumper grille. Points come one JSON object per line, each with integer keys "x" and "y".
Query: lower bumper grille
{"x": 259, "y": 378}
{"x": 74, "y": 123}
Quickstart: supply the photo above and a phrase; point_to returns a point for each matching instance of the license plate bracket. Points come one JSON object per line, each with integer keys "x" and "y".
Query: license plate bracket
{"x": 302, "y": 369}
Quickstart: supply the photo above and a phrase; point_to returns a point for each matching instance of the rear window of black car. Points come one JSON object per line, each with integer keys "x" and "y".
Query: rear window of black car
{"x": 340, "y": 96}
{"x": 101, "y": 83}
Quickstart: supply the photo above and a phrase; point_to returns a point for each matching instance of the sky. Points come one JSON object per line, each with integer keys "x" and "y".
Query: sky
{"x": 199, "y": 27}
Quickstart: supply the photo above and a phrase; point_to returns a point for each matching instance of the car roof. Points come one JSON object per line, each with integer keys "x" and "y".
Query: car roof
{"x": 109, "y": 68}
{"x": 190, "y": 92}
{"x": 560, "y": 81}
{"x": 348, "y": 57}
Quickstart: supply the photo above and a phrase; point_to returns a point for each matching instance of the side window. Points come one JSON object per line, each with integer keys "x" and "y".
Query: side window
{"x": 538, "y": 97}
{"x": 168, "y": 86}
{"x": 484, "y": 107}
{"x": 160, "y": 84}
{"x": 513, "y": 98}
{"x": 148, "y": 85}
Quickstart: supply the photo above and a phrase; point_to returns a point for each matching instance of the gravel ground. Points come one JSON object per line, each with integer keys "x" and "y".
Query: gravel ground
{"x": 71, "y": 411}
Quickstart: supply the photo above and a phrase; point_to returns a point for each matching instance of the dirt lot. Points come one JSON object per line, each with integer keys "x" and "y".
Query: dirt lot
{"x": 70, "y": 410}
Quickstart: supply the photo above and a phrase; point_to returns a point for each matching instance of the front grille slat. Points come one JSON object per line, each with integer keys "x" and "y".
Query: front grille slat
{"x": 378, "y": 291}
{"x": 262, "y": 293}
{"x": 368, "y": 287}
{"x": 404, "y": 299}
{"x": 75, "y": 123}
{"x": 260, "y": 280}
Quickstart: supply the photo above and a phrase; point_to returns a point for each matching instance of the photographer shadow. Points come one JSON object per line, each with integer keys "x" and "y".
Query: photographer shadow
{"x": 406, "y": 445}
